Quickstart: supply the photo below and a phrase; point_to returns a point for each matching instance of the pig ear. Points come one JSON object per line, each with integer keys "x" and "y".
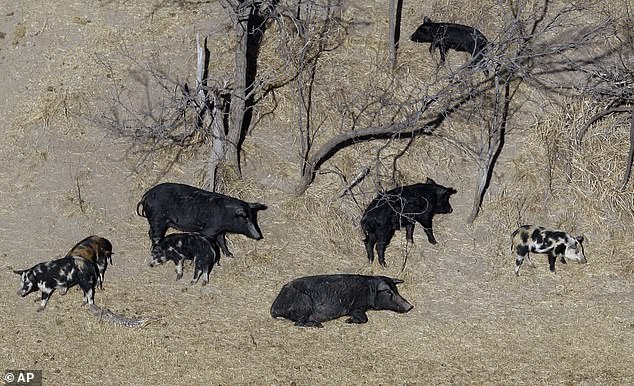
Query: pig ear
{"x": 257, "y": 206}
{"x": 430, "y": 181}
{"x": 397, "y": 281}
{"x": 580, "y": 238}
{"x": 19, "y": 272}
{"x": 426, "y": 20}
{"x": 451, "y": 191}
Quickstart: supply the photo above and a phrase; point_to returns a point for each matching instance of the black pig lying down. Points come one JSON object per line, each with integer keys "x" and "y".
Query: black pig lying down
{"x": 310, "y": 300}
{"x": 178, "y": 247}
{"x": 59, "y": 274}
{"x": 97, "y": 250}
{"x": 403, "y": 207}
{"x": 449, "y": 35}
{"x": 190, "y": 209}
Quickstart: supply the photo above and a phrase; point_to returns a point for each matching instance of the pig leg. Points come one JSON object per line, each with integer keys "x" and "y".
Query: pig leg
{"x": 409, "y": 233}
{"x": 196, "y": 276}
{"x": 206, "y": 276}
{"x": 222, "y": 242}
{"x": 357, "y": 316}
{"x": 308, "y": 323}
{"x": 551, "y": 261}
{"x": 443, "y": 52}
{"x": 46, "y": 294}
{"x": 179, "y": 269}
{"x": 518, "y": 263}
{"x": 295, "y": 305}
{"x": 89, "y": 293}
{"x": 522, "y": 251}
{"x": 381, "y": 246}
{"x": 199, "y": 270}
{"x": 426, "y": 223}
{"x": 157, "y": 232}
{"x": 370, "y": 242}
{"x": 562, "y": 259}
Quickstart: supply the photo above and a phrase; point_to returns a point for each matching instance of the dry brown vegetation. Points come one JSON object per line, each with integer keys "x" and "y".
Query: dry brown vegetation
{"x": 66, "y": 175}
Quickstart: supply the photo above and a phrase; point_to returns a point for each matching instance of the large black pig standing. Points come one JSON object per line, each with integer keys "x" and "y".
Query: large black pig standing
{"x": 190, "y": 209}
{"x": 310, "y": 300}
{"x": 455, "y": 36}
{"x": 403, "y": 207}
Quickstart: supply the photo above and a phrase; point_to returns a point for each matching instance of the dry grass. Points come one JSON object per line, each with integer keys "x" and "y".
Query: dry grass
{"x": 474, "y": 322}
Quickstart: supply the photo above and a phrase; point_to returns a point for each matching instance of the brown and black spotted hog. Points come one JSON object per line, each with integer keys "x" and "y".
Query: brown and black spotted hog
{"x": 554, "y": 243}
{"x": 98, "y": 251}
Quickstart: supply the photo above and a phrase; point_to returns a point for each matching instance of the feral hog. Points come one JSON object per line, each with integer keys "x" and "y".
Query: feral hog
{"x": 190, "y": 209}
{"x": 449, "y": 35}
{"x": 97, "y": 250}
{"x": 310, "y": 300}
{"x": 403, "y": 207}
{"x": 59, "y": 274}
{"x": 178, "y": 247}
{"x": 531, "y": 238}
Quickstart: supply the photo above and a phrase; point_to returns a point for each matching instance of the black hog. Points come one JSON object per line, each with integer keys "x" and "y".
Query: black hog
{"x": 178, "y": 247}
{"x": 554, "y": 243}
{"x": 97, "y": 250}
{"x": 59, "y": 274}
{"x": 190, "y": 209}
{"x": 310, "y": 300}
{"x": 449, "y": 35}
{"x": 403, "y": 207}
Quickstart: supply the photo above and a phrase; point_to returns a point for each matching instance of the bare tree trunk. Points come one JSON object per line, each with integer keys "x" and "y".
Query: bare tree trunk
{"x": 207, "y": 115}
{"x": 630, "y": 155}
{"x": 396, "y": 8}
{"x": 249, "y": 26}
{"x": 238, "y": 98}
{"x": 497, "y": 131}
{"x": 219, "y": 149}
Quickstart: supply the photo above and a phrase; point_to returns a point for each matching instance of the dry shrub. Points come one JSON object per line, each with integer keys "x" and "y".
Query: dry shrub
{"x": 555, "y": 183}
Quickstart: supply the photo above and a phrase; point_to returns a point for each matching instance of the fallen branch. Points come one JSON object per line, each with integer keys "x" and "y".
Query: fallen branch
{"x": 107, "y": 315}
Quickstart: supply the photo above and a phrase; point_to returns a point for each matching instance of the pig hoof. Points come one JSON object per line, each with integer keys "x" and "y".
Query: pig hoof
{"x": 204, "y": 283}
{"x": 309, "y": 323}
{"x": 39, "y": 309}
{"x": 178, "y": 277}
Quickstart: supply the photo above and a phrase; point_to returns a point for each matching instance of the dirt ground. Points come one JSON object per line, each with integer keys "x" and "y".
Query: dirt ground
{"x": 63, "y": 177}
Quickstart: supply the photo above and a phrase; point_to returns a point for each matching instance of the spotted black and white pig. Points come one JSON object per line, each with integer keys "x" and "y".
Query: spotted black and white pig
{"x": 178, "y": 247}
{"x": 554, "y": 243}
{"x": 97, "y": 250}
{"x": 59, "y": 274}
{"x": 310, "y": 300}
{"x": 190, "y": 209}
{"x": 449, "y": 35}
{"x": 403, "y": 207}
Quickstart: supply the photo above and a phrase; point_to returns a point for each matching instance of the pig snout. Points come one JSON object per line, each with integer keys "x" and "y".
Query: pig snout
{"x": 254, "y": 232}
{"x": 404, "y": 307}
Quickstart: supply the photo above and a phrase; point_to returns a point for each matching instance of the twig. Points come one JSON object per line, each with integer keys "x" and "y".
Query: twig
{"x": 354, "y": 182}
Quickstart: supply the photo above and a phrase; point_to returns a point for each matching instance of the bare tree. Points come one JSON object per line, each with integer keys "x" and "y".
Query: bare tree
{"x": 611, "y": 84}
{"x": 524, "y": 56}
